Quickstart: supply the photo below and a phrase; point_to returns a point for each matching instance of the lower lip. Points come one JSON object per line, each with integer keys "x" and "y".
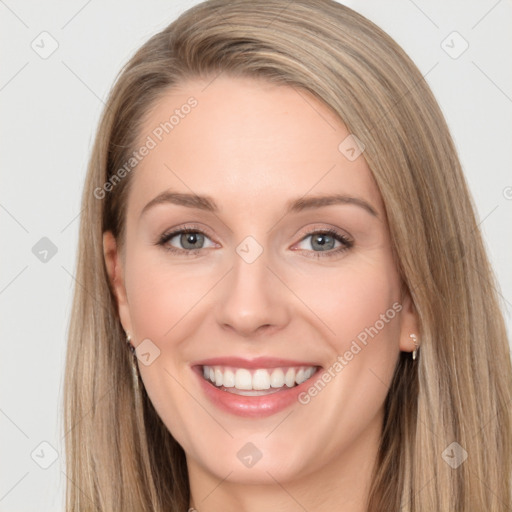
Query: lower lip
{"x": 251, "y": 406}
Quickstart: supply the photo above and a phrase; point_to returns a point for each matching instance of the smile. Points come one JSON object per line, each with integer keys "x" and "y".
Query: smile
{"x": 255, "y": 388}
{"x": 258, "y": 381}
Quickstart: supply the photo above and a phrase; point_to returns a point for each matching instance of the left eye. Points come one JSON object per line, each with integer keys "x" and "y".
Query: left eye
{"x": 321, "y": 241}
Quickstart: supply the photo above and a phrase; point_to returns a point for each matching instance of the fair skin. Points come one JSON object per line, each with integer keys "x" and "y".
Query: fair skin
{"x": 252, "y": 147}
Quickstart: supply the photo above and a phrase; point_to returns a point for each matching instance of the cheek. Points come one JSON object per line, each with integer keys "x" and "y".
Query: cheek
{"x": 160, "y": 296}
{"x": 166, "y": 304}
{"x": 353, "y": 299}
{"x": 361, "y": 307}
{"x": 161, "y": 303}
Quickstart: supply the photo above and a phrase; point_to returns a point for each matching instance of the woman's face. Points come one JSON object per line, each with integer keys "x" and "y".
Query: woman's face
{"x": 286, "y": 269}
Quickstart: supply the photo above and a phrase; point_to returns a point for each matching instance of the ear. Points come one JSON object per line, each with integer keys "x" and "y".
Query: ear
{"x": 115, "y": 270}
{"x": 409, "y": 324}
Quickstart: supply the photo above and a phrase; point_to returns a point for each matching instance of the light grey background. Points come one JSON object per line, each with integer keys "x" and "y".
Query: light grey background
{"x": 50, "y": 109}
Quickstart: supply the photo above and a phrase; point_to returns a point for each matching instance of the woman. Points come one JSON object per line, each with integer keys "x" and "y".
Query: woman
{"x": 284, "y": 298}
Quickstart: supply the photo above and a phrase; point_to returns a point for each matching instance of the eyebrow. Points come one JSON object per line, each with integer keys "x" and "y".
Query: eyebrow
{"x": 296, "y": 205}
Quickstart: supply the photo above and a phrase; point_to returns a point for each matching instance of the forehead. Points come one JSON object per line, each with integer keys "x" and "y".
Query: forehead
{"x": 246, "y": 142}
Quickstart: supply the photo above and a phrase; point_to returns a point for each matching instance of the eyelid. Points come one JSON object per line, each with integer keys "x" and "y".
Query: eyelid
{"x": 341, "y": 233}
{"x": 176, "y": 230}
{"x": 334, "y": 235}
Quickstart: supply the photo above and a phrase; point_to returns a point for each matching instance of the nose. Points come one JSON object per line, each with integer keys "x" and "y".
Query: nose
{"x": 252, "y": 300}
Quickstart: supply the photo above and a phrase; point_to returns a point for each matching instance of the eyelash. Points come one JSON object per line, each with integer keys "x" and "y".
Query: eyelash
{"x": 345, "y": 241}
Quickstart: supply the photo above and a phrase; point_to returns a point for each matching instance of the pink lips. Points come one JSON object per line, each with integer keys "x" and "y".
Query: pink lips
{"x": 251, "y": 406}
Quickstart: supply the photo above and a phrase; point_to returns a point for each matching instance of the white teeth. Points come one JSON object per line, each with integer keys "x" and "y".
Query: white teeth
{"x": 300, "y": 378}
{"x": 229, "y": 379}
{"x": 277, "y": 378}
{"x": 257, "y": 379}
{"x": 289, "y": 378}
{"x": 218, "y": 377}
{"x": 261, "y": 380}
{"x": 243, "y": 379}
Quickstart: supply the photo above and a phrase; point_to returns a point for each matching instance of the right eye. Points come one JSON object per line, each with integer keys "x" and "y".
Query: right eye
{"x": 185, "y": 241}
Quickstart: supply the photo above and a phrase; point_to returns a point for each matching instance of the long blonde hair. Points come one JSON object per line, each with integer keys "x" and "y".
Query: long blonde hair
{"x": 120, "y": 456}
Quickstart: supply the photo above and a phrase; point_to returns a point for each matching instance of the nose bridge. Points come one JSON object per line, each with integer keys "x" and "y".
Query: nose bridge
{"x": 251, "y": 295}
{"x": 250, "y": 263}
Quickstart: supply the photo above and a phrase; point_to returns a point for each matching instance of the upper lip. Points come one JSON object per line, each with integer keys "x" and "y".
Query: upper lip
{"x": 257, "y": 362}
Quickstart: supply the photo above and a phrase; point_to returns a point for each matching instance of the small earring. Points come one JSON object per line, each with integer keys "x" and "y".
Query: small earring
{"x": 135, "y": 373}
{"x": 128, "y": 342}
{"x": 416, "y": 346}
